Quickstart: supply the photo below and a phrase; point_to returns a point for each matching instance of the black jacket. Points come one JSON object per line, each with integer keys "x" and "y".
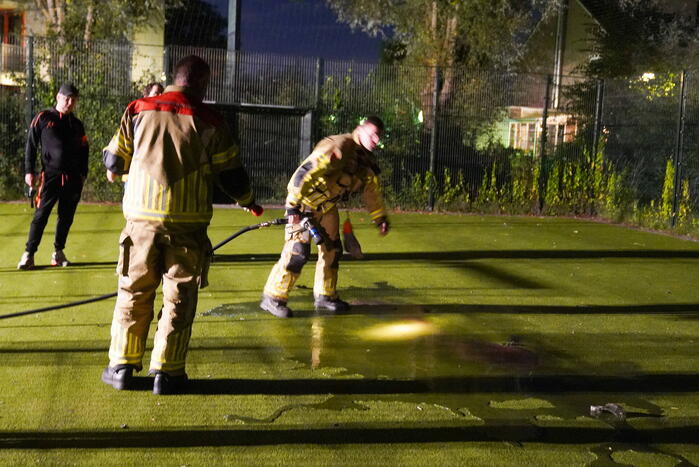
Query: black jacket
{"x": 64, "y": 146}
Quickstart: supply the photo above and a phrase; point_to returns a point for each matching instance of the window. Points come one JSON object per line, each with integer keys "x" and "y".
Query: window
{"x": 527, "y": 135}
{"x": 11, "y": 53}
{"x": 12, "y": 26}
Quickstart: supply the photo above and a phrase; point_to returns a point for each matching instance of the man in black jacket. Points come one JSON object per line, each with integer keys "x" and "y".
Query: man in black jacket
{"x": 64, "y": 157}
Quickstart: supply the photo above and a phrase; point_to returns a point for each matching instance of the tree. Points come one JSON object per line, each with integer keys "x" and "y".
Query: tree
{"x": 445, "y": 33}
{"x": 639, "y": 36}
{"x": 86, "y": 43}
{"x": 72, "y": 20}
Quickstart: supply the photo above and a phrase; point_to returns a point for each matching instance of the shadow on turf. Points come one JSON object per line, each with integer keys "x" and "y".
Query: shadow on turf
{"x": 460, "y": 255}
{"x": 73, "y": 265}
{"x": 549, "y": 384}
{"x": 379, "y": 309}
{"x": 411, "y": 310}
{"x": 502, "y": 430}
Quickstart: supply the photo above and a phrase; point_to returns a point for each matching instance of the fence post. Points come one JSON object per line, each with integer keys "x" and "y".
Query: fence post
{"x": 320, "y": 77}
{"x": 543, "y": 175}
{"x": 433, "y": 137}
{"x": 29, "y": 108}
{"x": 317, "y": 90}
{"x": 306, "y": 135}
{"x": 167, "y": 52}
{"x": 679, "y": 149}
{"x": 597, "y": 128}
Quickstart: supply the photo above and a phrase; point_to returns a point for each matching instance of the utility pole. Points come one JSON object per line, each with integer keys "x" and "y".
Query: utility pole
{"x": 234, "y": 25}
{"x": 561, "y": 32}
{"x": 233, "y": 48}
{"x": 679, "y": 150}
{"x": 543, "y": 164}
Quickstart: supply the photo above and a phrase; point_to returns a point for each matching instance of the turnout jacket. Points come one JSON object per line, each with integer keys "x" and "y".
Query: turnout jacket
{"x": 64, "y": 146}
{"x": 337, "y": 167}
{"x": 174, "y": 147}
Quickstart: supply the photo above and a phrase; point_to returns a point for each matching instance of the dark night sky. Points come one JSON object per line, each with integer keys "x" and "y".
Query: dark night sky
{"x": 299, "y": 27}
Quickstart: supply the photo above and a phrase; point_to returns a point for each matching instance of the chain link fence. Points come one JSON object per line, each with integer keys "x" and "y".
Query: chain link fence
{"x": 457, "y": 139}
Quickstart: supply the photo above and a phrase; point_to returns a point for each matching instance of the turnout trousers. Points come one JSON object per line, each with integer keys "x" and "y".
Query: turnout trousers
{"x": 180, "y": 261}
{"x": 64, "y": 189}
{"x": 295, "y": 254}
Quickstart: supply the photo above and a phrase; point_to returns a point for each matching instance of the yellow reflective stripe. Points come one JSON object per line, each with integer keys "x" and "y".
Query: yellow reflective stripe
{"x": 124, "y": 145}
{"x": 378, "y": 213}
{"x": 118, "y": 150}
{"x": 188, "y": 200}
{"x": 144, "y": 194}
{"x": 168, "y": 201}
{"x": 183, "y": 343}
{"x": 225, "y": 156}
{"x": 245, "y": 199}
{"x": 196, "y": 192}
{"x": 179, "y": 218}
{"x": 149, "y": 194}
{"x": 132, "y": 346}
{"x": 315, "y": 196}
{"x": 185, "y": 189}
{"x": 178, "y": 196}
{"x": 155, "y": 212}
{"x": 205, "y": 195}
{"x": 316, "y": 199}
{"x": 319, "y": 184}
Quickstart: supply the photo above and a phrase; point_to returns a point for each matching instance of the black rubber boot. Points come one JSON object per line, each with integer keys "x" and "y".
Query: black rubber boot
{"x": 119, "y": 376}
{"x": 165, "y": 384}
{"x": 335, "y": 305}
{"x": 276, "y": 307}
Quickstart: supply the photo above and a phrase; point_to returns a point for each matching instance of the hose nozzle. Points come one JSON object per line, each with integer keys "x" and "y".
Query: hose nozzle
{"x": 313, "y": 230}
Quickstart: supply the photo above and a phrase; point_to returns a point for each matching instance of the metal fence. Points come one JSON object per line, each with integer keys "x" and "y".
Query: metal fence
{"x": 456, "y": 138}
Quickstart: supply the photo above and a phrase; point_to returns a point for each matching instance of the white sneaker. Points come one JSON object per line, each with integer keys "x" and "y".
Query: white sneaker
{"x": 58, "y": 258}
{"x": 26, "y": 262}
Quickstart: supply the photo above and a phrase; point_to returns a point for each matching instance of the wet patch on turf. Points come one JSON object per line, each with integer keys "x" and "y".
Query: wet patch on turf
{"x": 529, "y": 403}
{"x": 333, "y": 404}
{"x": 629, "y": 455}
{"x": 347, "y": 409}
{"x": 238, "y": 311}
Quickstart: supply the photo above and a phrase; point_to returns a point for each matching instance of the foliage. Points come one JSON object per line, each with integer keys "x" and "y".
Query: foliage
{"x": 70, "y": 21}
{"x": 626, "y": 179}
{"x": 638, "y": 36}
{"x": 444, "y": 32}
{"x": 12, "y": 138}
{"x": 100, "y": 73}
{"x": 591, "y": 185}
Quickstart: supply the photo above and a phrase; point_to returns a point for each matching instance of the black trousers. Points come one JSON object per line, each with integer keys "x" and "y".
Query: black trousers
{"x": 64, "y": 189}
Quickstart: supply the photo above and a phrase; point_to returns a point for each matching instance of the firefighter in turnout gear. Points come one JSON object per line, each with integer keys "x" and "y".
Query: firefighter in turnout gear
{"x": 338, "y": 166}
{"x": 174, "y": 147}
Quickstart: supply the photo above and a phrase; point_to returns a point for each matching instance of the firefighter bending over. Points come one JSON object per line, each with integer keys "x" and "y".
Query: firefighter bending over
{"x": 338, "y": 166}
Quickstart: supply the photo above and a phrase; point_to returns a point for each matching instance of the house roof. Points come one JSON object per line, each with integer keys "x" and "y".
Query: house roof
{"x": 606, "y": 13}
{"x": 612, "y": 17}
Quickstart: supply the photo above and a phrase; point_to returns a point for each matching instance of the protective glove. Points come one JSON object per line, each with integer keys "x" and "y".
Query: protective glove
{"x": 254, "y": 209}
{"x": 382, "y": 225}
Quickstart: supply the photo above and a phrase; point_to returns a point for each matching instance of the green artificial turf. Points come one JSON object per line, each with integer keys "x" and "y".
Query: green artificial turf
{"x": 472, "y": 340}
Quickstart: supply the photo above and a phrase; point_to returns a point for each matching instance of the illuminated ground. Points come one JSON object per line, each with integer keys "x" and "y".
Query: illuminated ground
{"x": 472, "y": 340}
